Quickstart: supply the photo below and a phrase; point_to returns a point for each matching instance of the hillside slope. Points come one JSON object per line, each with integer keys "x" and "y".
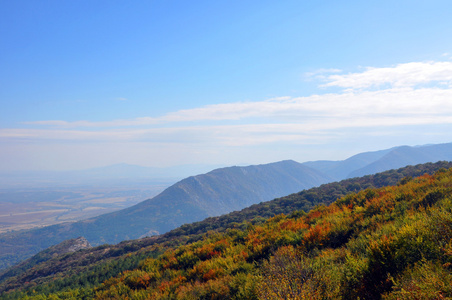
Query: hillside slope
{"x": 192, "y": 199}
{"x": 387, "y": 243}
{"x": 91, "y": 267}
{"x": 65, "y": 247}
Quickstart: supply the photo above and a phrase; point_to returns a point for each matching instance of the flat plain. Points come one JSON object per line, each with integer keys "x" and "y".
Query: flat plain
{"x": 37, "y": 207}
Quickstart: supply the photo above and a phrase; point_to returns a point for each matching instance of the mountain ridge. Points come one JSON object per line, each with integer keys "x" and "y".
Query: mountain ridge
{"x": 189, "y": 200}
{"x": 406, "y": 155}
{"x": 372, "y": 162}
{"x": 131, "y": 260}
{"x": 214, "y": 193}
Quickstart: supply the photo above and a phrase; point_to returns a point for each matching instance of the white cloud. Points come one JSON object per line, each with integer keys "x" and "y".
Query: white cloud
{"x": 410, "y": 89}
{"x": 85, "y": 123}
{"x": 408, "y": 96}
{"x": 279, "y": 119}
{"x": 320, "y": 74}
{"x": 398, "y": 102}
{"x": 402, "y": 75}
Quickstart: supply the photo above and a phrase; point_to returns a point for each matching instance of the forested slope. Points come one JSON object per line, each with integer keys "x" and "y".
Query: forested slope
{"x": 348, "y": 243}
{"x": 391, "y": 243}
{"x": 192, "y": 199}
{"x": 212, "y": 194}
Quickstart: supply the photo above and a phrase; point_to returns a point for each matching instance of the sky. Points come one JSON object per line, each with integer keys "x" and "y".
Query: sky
{"x": 162, "y": 83}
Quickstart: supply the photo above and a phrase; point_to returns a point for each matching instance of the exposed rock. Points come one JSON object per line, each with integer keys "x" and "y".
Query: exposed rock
{"x": 78, "y": 244}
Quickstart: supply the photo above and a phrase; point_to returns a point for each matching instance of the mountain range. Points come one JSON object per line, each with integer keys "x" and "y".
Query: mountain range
{"x": 385, "y": 232}
{"x": 215, "y": 193}
{"x": 192, "y": 199}
{"x": 379, "y": 161}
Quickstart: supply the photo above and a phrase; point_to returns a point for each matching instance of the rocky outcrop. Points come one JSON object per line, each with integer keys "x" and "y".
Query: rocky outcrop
{"x": 78, "y": 244}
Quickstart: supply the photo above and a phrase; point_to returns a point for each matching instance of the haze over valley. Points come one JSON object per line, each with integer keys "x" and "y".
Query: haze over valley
{"x": 26, "y": 209}
{"x": 192, "y": 199}
{"x": 41, "y": 198}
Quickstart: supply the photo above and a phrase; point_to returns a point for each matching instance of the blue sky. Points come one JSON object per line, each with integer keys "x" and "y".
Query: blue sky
{"x": 163, "y": 83}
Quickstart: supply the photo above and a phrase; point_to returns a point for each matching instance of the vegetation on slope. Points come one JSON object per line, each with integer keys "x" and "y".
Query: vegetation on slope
{"x": 192, "y": 199}
{"x": 392, "y": 242}
{"x": 62, "y": 248}
{"x": 307, "y": 199}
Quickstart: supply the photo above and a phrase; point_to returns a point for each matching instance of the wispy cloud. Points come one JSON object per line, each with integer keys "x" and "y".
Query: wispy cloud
{"x": 397, "y": 103}
{"x": 402, "y": 75}
{"x": 85, "y": 123}
{"x": 272, "y": 120}
{"x": 417, "y": 88}
{"x": 320, "y": 74}
{"x": 377, "y": 101}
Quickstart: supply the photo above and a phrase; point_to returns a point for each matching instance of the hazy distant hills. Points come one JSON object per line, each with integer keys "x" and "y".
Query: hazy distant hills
{"x": 378, "y": 161}
{"x": 342, "y": 169}
{"x": 227, "y": 189}
{"x": 212, "y": 194}
{"x": 192, "y": 199}
{"x": 54, "y": 269}
{"x": 217, "y": 192}
{"x": 402, "y": 156}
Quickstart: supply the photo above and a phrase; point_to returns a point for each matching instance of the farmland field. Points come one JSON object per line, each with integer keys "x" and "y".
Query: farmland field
{"x": 37, "y": 207}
